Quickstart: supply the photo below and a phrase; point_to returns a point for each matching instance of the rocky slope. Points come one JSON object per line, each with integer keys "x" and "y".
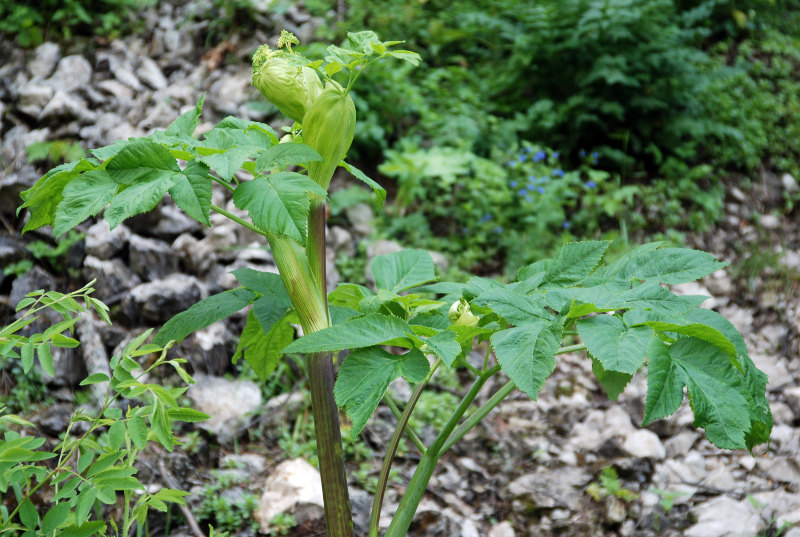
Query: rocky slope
{"x": 526, "y": 470}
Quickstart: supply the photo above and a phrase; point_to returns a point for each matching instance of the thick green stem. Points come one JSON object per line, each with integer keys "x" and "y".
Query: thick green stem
{"x": 315, "y": 246}
{"x": 338, "y": 518}
{"x": 383, "y": 480}
{"x": 419, "y": 481}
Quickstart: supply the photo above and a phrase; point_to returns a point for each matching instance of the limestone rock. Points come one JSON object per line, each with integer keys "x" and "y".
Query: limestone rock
{"x": 227, "y": 402}
{"x": 293, "y": 487}
{"x": 725, "y": 517}
{"x": 114, "y": 278}
{"x": 44, "y": 60}
{"x": 72, "y": 72}
{"x": 151, "y": 258}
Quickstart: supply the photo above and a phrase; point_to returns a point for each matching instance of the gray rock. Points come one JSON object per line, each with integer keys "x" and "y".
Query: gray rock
{"x": 72, "y": 72}
{"x": 791, "y": 260}
{"x": 281, "y": 410}
{"x": 792, "y": 397}
{"x": 550, "y": 489}
{"x": 33, "y": 280}
{"x": 116, "y": 88}
{"x": 468, "y": 529}
{"x": 64, "y": 105}
{"x": 196, "y": 256}
{"x": 227, "y": 402}
{"x": 775, "y": 368}
{"x": 720, "y": 479}
{"x": 782, "y": 469}
{"x": 160, "y": 300}
{"x": 151, "y": 259}
{"x": 114, "y": 278}
{"x": 340, "y": 241}
{"x": 789, "y": 183}
{"x": 150, "y": 73}
{"x": 293, "y": 487}
{"x": 725, "y": 517}
{"x": 644, "y": 444}
{"x": 362, "y": 218}
{"x": 12, "y": 184}
{"x": 503, "y": 529}
{"x": 208, "y": 350}
{"x": 159, "y": 115}
{"x": 44, "y": 60}
{"x": 769, "y": 221}
{"x": 33, "y": 97}
{"x": 94, "y": 353}
{"x": 103, "y": 242}
{"x": 252, "y": 463}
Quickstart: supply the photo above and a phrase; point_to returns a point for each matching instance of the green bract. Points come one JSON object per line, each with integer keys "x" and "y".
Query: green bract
{"x": 329, "y": 127}
{"x": 290, "y": 87}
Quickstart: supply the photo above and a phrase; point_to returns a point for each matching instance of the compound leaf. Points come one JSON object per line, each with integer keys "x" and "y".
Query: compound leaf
{"x": 192, "y": 191}
{"x": 284, "y": 155}
{"x": 380, "y": 192}
{"x": 402, "y": 270}
{"x": 616, "y": 346}
{"x": 670, "y": 265}
{"x": 366, "y": 374}
{"x": 372, "y": 329}
{"x": 84, "y": 197}
{"x": 527, "y": 353}
{"x": 573, "y": 263}
{"x": 279, "y": 203}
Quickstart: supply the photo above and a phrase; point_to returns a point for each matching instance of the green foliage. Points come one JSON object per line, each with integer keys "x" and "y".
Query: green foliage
{"x": 525, "y": 321}
{"x": 31, "y": 23}
{"x": 282, "y": 523}
{"x": 609, "y": 485}
{"x": 226, "y": 506}
{"x": 95, "y": 468}
{"x": 54, "y": 152}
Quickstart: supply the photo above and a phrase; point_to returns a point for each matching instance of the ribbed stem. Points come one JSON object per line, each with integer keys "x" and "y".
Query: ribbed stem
{"x": 338, "y": 518}
{"x": 315, "y": 247}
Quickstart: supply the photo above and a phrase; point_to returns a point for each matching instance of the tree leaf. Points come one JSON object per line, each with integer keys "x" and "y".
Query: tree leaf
{"x": 612, "y": 382}
{"x": 714, "y": 386}
{"x": 83, "y": 197}
{"x": 142, "y": 160}
{"x": 670, "y": 265}
{"x": 445, "y": 345}
{"x": 139, "y": 198}
{"x": 279, "y": 203}
{"x": 617, "y": 347}
{"x": 43, "y": 198}
{"x": 527, "y": 353}
{"x": 46, "y": 358}
{"x": 515, "y": 308}
{"x": 94, "y": 379}
{"x": 380, "y": 192}
{"x": 137, "y": 429}
{"x": 284, "y": 155}
{"x": 203, "y": 314}
{"x": 192, "y": 191}
{"x": 161, "y": 426}
{"x": 86, "y": 529}
{"x": 372, "y": 329}
{"x": 55, "y": 518}
{"x": 263, "y": 350}
{"x": 573, "y": 262}
{"x": 186, "y": 414}
{"x": 272, "y": 305}
{"x": 28, "y": 514}
{"x": 366, "y": 374}
{"x": 402, "y": 270}
{"x": 84, "y": 504}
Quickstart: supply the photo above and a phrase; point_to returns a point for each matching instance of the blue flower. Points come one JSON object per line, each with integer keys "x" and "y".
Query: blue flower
{"x": 511, "y": 163}
{"x": 498, "y": 229}
{"x": 528, "y": 150}
{"x": 522, "y": 157}
{"x": 522, "y": 191}
{"x": 582, "y": 153}
{"x": 513, "y": 184}
{"x": 594, "y": 157}
{"x": 486, "y": 217}
{"x": 539, "y": 156}
{"x": 540, "y": 189}
{"x": 532, "y": 179}
{"x": 566, "y": 224}
{"x": 528, "y": 198}
{"x": 558, "y": 172}
{"x": 590, "y": 184}
{"x": 555, "y": 155}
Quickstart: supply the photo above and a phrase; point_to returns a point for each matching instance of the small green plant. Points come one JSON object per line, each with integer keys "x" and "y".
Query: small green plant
{"x": 622, "y": 311}
{"x": 282, "y": 523}
{"x": 609, "y": 485}
{"x": 226, "y": 506}
{"x": 54, "y": 152}
{"x": 89, "y": 470}
{"x": 667, "y": 498}
{"x": 31, "y": 24}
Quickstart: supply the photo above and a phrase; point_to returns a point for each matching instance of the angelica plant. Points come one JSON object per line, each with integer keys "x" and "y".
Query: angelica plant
{"x": 621, "y": 314}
